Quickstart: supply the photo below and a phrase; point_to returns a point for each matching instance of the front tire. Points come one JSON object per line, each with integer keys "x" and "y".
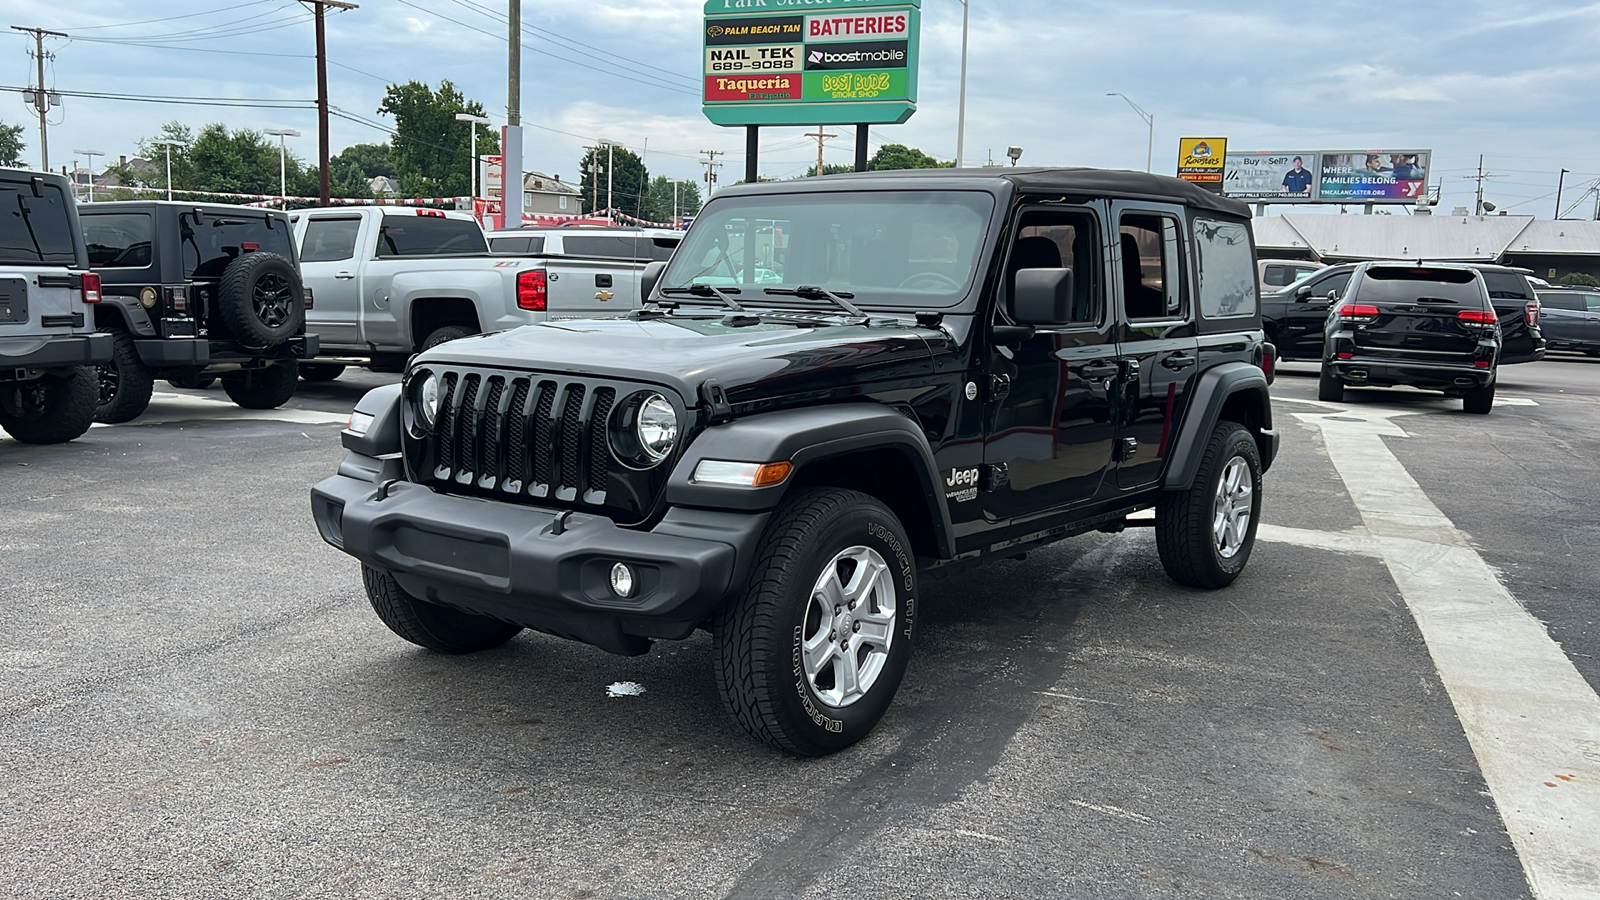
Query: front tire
{"x": 267, "y": 388}
{"x": 1479, "y": 400}
{"x": 809, "y": 658}
{"x": 447, "y": 333}
{"x": 437, "y": 628}
{"x": 321, "y": 371}
{"x": 1205, "y": 534}
{"x": 125, "y": 383}
{"x": 51, "y": 409}
{"x": 1329, "y": 388}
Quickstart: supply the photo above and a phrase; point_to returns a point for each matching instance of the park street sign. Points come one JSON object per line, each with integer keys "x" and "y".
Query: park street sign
{"x": 811, "y": 62}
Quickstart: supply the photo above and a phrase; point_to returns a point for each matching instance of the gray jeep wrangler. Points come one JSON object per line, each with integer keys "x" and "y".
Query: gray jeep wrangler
{"x": 839, "y": 386}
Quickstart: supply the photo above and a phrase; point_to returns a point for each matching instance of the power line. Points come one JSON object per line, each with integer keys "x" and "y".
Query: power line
{"x": 253, "y": 102}
{"x": 209, "y": 12}
{"x": 199, "y": 33}
{"x": 573, "y": 44}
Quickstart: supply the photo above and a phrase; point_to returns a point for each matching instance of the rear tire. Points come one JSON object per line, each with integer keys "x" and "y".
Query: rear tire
{"x": 810, "y": 656}
{"x": 267, "y": 388}
{"x": 52, "y": 409}
{"x": 437, "y": 628}
{"x": 1479, "y": 400}
{"x": 1205, "y": 534}
{"x": 447, "y": 333}
{"x": 1329, "y": 388}
{"x": 125, "y": 383}
{"x": 321, "y": 371}
{"x": 388, "y": 363}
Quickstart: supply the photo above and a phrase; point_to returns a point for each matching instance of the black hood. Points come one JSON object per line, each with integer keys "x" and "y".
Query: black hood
{"x": 776, "y": 358}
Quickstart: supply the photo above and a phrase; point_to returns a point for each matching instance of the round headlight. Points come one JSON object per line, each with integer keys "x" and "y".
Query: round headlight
{"x": 428, "y": 400}
{"x": 657, "y": 427}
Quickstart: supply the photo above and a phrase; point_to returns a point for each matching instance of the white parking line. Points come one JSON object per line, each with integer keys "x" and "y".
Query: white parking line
{"x": 1532, "y": 720}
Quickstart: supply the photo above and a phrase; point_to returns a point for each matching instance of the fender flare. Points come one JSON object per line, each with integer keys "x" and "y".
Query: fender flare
{"x": 1211, "y": 392}
{"x": 125, "y": 311}
{"x": 802, "y": 437}
{"x": 382, "y": 437}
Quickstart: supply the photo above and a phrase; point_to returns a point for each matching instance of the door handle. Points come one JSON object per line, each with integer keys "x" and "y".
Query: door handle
{"x": 1097, "y": 371}
{"x": 344, "y": 276}
{"x": 1177, "y": 362}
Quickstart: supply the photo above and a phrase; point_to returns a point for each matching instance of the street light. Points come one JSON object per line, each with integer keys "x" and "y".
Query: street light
{"x": 283, "y": 160}
{"x": 1015, "y": 153}
{"x": 1149, "y": 119}
{"x": 611, "y": 158}
{"x": 961, "y": 115}
{"x": 93, "y": 153}
{"x": 169, "y": 144}
{"x": 474, "y": 122}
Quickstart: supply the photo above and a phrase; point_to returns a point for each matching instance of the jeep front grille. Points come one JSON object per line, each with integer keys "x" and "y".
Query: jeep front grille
{"x": 530, "y": 438}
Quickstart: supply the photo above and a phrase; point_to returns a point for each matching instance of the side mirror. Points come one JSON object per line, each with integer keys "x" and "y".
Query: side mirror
{"x": 1042, "y": 297}
{"x": 649, "y": 278}
{"x": 1333, "y": 296}
{"x": 1303, "y": 294}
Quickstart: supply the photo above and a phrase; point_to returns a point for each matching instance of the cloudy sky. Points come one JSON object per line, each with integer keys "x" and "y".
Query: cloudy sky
{"x": 1513, "y": 81}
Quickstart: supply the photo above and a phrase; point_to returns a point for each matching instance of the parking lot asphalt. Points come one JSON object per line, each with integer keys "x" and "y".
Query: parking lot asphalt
{"x": 196, "y": 701}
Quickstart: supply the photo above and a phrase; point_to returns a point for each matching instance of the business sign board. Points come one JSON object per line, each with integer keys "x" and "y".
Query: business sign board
{"x": 1200, "y": 161}
{"x": 1327, "y": 176}
{"x": 811, "y": 62}
{"x": 1288, "y": 176}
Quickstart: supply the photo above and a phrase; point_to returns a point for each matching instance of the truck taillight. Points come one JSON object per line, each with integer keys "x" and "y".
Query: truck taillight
{"x": 436, "y": 213}
{"x": 1481, "y": 317}
{"x": 91, "y": 287}
{"x": 532, "y": 292}
{"x": 1533, "y": 313}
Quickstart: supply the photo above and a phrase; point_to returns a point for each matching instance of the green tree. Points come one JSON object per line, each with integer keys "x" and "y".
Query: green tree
{"x": 11, "y": 145}
{"x": 628, "y": 183}
{"x": 353, "y": 169}
{"x": 661, "y": 197}
{"x": 830, "y": 169}
{"x": 216, "y": 159}
{"x": 899, "y": 156}
{"x": 431, "y": 150}
{"x": 1581, "y": 279}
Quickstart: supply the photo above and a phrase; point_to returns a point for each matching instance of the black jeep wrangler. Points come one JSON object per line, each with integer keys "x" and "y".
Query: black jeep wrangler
{"x": 840, "y": 386}
{"x": 193, "y": 292}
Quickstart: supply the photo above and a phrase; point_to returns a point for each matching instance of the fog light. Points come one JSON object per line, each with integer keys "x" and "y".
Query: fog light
{"x": 622, "y": 580}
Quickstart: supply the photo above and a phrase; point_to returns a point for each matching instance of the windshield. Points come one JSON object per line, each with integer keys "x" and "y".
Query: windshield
{"x": 887, "y": 248}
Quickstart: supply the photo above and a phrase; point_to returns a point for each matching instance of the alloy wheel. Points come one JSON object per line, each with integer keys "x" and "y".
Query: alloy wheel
{"x": 849, "y": 626}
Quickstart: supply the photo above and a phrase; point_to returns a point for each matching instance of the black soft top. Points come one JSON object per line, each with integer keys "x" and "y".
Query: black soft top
{"x": 1112, "y": 183}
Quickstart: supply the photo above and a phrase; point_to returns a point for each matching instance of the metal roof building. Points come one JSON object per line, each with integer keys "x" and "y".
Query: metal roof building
{"x": 1550, "y": 248}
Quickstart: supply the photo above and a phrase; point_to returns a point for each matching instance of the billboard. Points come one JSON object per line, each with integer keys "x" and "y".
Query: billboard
{"x": 1288, "y": 176}
{"x": 1200, "y": 161}
{"x": 837, "y": 62}
{"x": 1327, "y": 176}
{"x": 1374, "y": 176}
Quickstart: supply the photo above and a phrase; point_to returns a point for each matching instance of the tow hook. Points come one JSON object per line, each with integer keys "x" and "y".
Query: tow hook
{"x": 383, "y": 490}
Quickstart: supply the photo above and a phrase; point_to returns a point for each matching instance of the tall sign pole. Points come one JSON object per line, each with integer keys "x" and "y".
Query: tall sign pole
{"x": 325, "y": 192}
{"x": 511, "y": 194}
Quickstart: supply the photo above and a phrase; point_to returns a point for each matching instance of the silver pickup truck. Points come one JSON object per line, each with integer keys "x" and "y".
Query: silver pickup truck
{"x": 391, "y": 281}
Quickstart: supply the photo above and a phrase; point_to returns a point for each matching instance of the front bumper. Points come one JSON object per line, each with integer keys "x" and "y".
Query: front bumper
{"x": 534, "y": 567}
{"x": 54, "y": 352}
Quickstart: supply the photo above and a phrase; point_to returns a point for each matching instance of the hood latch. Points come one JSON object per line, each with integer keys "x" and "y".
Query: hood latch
{"x": 716, "y": 399}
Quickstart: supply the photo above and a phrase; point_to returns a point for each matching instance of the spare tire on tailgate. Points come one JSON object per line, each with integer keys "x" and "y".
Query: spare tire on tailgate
{"x": 261, "y": 300}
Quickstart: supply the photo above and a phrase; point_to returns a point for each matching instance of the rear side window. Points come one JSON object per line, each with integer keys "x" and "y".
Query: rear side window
{"x": 1507, "y": 286}
{"x": 1393, "y": 285}
{"x": 212, "y": 240}
{"x": 118, "y": 240}
{"x": 330, "y": 239}
{"x": 1151, "y": 255}
{"x": 429, "y": 236}
{"x": 1562, "y": 300}
{"x": 604, "y": 246}
{"x": 1278, "y": 276}
{"x": 1226, "y": 267}
{"x": 35, "y": 229}
{"x": 516, "y": 245}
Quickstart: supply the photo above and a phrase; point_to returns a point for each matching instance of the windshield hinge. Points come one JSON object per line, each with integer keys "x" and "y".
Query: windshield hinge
{"x": 716, "y": 400}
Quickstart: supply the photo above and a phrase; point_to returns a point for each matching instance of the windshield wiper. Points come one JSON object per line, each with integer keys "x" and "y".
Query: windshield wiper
{"x": 840, "y": 299}
{"x": 708, "y": 290}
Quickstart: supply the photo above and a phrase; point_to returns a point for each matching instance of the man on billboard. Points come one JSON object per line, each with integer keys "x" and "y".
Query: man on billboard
{"x": 1405, "y": 167}
{"x": 1297, "y": 180}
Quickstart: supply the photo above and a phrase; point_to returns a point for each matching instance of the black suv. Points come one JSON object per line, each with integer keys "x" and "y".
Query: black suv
{"x": 1294, "y": 318}
{"x": 1571, "y": 319}
{"x": 1430, "y": 327}
{"x": 193, "y": 292}
{"x": 840, "y": 385}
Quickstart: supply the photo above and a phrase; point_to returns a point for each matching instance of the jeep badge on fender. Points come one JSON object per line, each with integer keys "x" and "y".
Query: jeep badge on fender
{"x": 788, "y": 435}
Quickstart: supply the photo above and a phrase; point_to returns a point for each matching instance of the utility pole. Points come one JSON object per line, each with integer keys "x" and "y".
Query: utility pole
{"x": 41, "y": 98}
{"x": 1478, "y": 211}
{"x": 961, "y": 114}
{"x": 511, "y": 194}
{"x": 821, "y": 136}
{"x": 1561, "y": 182}
{"x": 594, "y": 179}
{"x": 711, "y": 164}
{"x": 319, "y": 7}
